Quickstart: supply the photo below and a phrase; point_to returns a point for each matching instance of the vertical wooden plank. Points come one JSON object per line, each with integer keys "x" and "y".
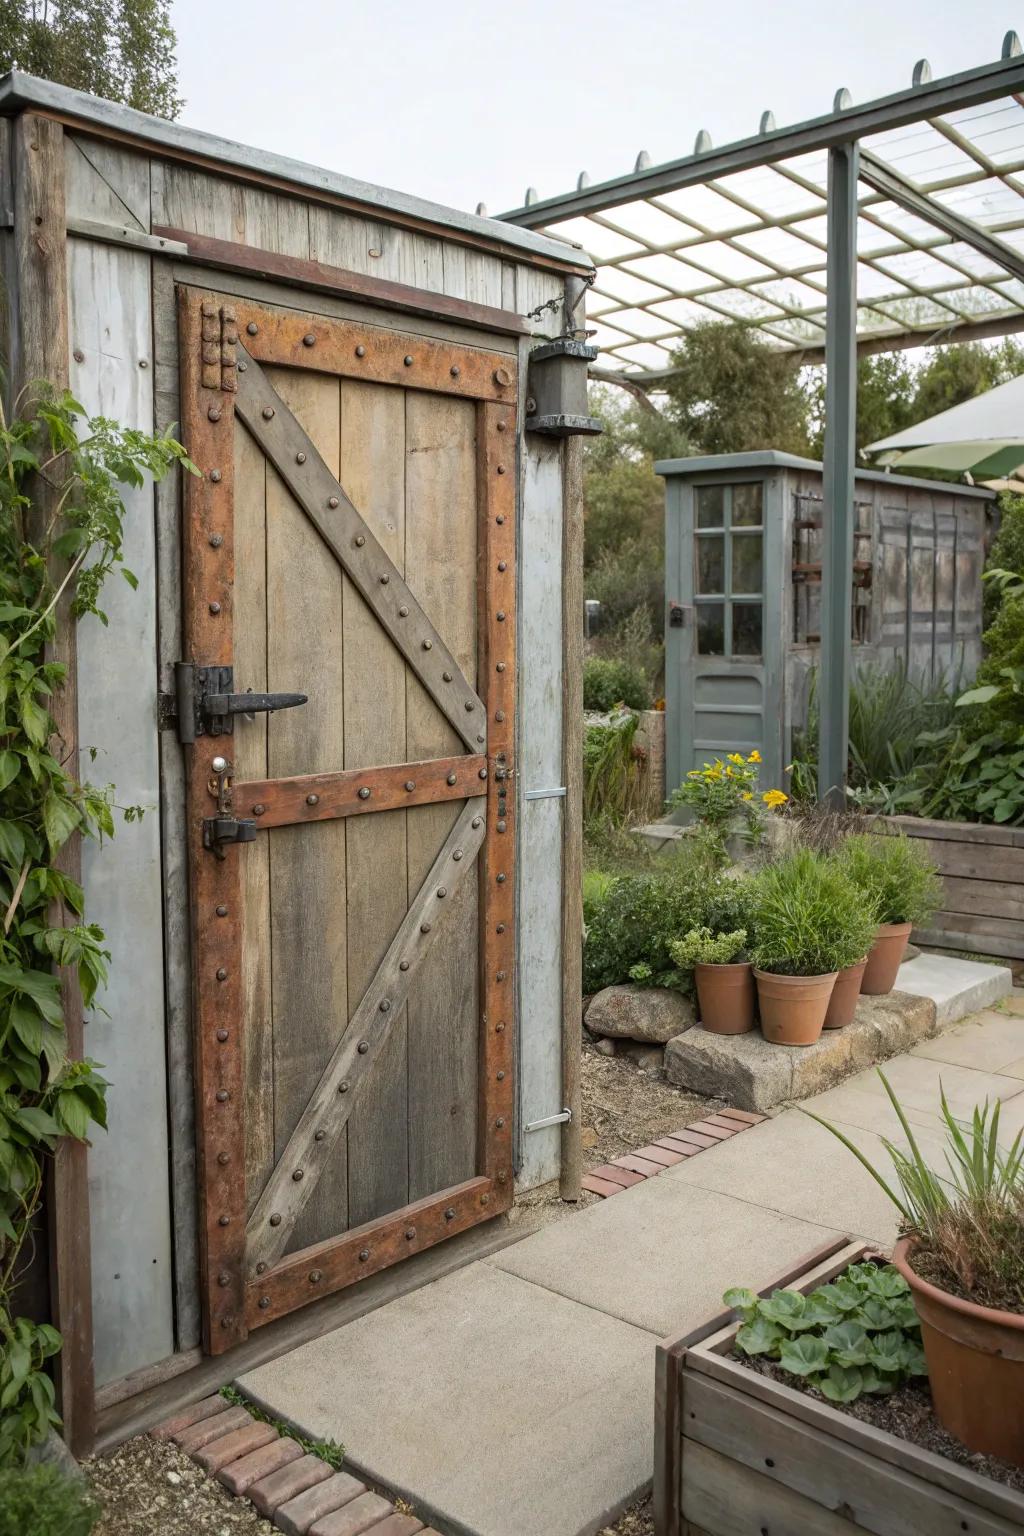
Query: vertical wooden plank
{"x": 275, "y": 223}
{"x": 112, "y": 374}
{"x": 571, "y": 1170}
{"x": 40, "y": 268}
{"x": 498, "y": 628}
{"x": 204, "y": 205}
{"x": 373, "y": 474}
{"x": 8, "y": 274}
{"x": 215, "y": 884}
{"x": 173, "y": 831}
{"x": 441, "y": 569}
{"x": 307, "y": 863}
{"x": 357, "y": 245}
{"x": 251, "y": 762}
{"x": 107, "y": 184}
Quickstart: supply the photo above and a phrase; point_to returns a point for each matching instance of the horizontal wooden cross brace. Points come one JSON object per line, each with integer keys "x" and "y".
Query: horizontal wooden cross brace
{"x": 295, "y": 1176}
{"x": 358, "y": 791}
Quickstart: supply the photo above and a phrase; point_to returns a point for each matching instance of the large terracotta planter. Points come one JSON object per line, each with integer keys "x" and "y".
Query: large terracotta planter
{"x": 975, "y": 1365}
{"x": 726, "y": 995}
{"x": 793, "y": 1008}
{"x": 843, "y": 1003}
{"x": 885, "y": 958}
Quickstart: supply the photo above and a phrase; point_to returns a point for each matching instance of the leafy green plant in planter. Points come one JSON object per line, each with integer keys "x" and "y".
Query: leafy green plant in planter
{"x": 43, "y": 1095}
{"x": 703, "y": 946}
{"x": 962, "y": 1254}
{"x": 860, "y": 1333}
{"x": 810, "y": 922}
{"x": 44, "y": 1501}
{"x": 723, "y": 975}
{"x": 898, "y": 880}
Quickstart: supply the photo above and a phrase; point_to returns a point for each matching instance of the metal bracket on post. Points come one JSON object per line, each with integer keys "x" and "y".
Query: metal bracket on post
{"x": 562, "y": 1118}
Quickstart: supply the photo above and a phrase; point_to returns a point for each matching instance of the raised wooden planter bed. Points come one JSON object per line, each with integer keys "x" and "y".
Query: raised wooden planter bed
{"x": 982, "y": 868}
{"x": 738, "y": 1454}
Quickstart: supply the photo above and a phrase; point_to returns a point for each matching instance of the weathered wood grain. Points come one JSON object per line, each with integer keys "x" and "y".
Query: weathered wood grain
{"x": 359, "y": 553}
{"x": 40, "y": 351}
{"x": 326, "y": 796}
{"x": 107, "y": 184}
{"x": 727, "y": 1499}
{"x": 330, "y": 1105}
{"x": 571, "y": 1171}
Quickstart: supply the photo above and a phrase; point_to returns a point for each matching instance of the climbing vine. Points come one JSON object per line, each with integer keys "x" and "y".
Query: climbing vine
{"x": 82, "y": 463}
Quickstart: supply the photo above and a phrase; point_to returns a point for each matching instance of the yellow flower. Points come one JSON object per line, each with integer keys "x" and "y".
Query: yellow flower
{"x": 755, "y": 756}
{"x": 746, "y": 795}
{"x": 736, "y": 757}
{"x": 774, "y": 797}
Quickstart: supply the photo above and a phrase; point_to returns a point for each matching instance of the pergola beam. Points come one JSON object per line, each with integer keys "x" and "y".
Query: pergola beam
{"x": 930, "y": 99}
{"x": 898, "y": 190}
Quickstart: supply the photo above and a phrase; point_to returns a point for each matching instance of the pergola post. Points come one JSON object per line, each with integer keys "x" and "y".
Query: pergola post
{"x": 840, "y": 452}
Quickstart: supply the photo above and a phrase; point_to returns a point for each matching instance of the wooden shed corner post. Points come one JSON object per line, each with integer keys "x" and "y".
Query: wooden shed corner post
{"x": 571, "y": 1172}
{"x": 40, "y": 352}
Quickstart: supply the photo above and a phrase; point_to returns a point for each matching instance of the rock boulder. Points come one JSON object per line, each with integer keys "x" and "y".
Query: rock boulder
{"x": 652, "y": 1015}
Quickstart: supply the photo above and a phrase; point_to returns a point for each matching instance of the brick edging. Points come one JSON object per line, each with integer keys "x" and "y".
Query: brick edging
{"x": 298, "y": 1491}
{"x": 647, "y": 1162}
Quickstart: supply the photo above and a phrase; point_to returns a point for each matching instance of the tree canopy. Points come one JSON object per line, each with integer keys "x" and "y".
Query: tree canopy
{"x": 121, "y": 49}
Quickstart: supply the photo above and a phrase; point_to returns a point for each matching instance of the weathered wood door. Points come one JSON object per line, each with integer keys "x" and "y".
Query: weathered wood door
{"x": 351, "y": 537}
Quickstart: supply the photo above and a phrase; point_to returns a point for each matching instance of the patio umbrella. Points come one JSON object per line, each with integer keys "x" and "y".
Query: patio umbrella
{"x": 983, "y": 437}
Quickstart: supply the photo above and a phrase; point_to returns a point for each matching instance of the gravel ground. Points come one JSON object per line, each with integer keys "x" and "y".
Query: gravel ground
{"x": 150, "y": 1488}
{"x": 624, "y": 1107}
{"x": 638, "y": 1520}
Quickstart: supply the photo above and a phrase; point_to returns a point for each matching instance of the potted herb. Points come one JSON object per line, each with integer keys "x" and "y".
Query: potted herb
{"x": 962, "y": 1254}
{"x": 725, "y": 981}
{"x": 899, "y": 881}
{"x": 810, "y": 922}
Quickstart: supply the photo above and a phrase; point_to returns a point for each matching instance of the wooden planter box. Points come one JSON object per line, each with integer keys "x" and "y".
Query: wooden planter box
{"x": 982, "y": 868}
{"x": 737, "y": 1454}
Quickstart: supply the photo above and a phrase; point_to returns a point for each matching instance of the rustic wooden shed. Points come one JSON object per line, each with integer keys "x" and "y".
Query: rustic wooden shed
{"x": 344, "y": 1008}
{"x": 744, "y": 536}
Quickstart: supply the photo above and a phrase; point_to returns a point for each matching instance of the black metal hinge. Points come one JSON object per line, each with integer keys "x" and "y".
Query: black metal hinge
{"x": 204, "y": 705}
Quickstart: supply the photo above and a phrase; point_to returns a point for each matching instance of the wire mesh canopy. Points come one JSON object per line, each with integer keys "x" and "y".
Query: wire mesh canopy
{"x": 740, "y": 233}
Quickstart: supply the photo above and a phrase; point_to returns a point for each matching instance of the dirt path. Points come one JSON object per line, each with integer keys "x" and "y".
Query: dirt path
{"x": 150, "y": 1488}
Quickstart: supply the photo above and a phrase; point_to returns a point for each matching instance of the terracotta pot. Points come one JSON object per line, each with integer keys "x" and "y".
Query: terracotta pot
{"x": 793, "y": 1008}
{"x": 726, "y": 996}
{"x": 885, "y": 958}
{"x": 843, "y": 1002}
{"x": 975, "y": 1365}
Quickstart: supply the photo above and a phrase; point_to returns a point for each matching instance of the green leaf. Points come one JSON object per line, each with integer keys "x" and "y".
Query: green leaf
{"x": 60, "y": 818}
{"x": 73, "y": 1115}
{"x": 876, "y": 1315}
{"x": 12, "y": 844}
{"x": 740, "y": 1299}
{"x": 35, "y": 720}
{"x": 885, "y": 1351}
{"x": 784, "y": 1307}
{"x": 760, "y": 1337}
{"x": 842, "y": 1294}
{"x": 982, "y": 695}
{"x": 27, "y": 1024}
{"x": 10, "y": 763}
{"x": 804, "y": 1356}
{"x": 848, "y": 1343}
{"x": 842, "y": 1384}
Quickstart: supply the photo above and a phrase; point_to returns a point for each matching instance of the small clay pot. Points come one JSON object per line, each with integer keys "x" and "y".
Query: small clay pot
{"x": 793, "y": 1008}
{"x": 843, "y": 1003}
{"x": 726, "y": 995}
{"x": 975, "y": 1361}
{"x": 885, "y": 958}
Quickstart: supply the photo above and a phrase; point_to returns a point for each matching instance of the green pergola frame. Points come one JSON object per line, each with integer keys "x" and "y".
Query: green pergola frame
{"x": 960, "y": 222}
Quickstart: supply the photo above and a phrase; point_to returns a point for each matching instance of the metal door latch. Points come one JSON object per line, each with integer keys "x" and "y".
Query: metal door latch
{"x": 207, "y": 706}
{"x": 219, "y": 831}
{"x": 679, "y": 615}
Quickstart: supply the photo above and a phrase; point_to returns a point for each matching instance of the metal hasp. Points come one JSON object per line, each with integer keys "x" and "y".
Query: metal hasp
{"x": 220, "y": 831}
{"x": 557, "y": 389}
{"x": 839, "y": 472}
{"x": 207, "y": 707}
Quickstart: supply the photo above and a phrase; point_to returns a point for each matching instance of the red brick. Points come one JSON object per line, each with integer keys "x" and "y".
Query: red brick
{"x": 662, "y": 1155}
{"x": 685, "y": 1147}
{"x": 707, "y": 1128}
{"x": 638, "y": 1164}
{"x": 744, "y": 1116}
{"x": 296, "y": 1517}
{"x": 623, "y": 1176}
{"x": 240, "y": 1475}
{"x": 271, "y": 1492}
{"x": 693, "y": 1138}
{"x": 601, "y": 1186}
{"x": 192, "y": 1440}
{"x": 352, "y": 1519}
{"x": 194, "y": 1414}
{"x": 730, "y": 1127}
{"x": 398, "y": 1525}
{"x": 221, "y": 1453}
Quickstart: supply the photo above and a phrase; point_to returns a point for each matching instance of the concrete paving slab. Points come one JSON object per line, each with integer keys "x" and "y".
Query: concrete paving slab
{"x": 918, "y": 1081}
{"x": 956, "y": 987}
{"x": 987, "y": 1042}
{"x": 792, "y": 1166}
{"x": 493, "y": 1405}
{"x": 661, "y": 1254}
{"x": 1014, "y": 1068}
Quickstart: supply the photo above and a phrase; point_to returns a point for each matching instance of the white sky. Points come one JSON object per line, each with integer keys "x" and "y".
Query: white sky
{"x": 461, "y": 102}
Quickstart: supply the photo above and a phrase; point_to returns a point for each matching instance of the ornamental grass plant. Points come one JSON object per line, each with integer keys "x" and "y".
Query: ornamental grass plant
{"x": 809, "y": 918}
{"x": 894, "y": 875}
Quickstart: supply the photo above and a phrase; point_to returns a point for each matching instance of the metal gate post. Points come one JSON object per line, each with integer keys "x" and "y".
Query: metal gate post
{"x": 840, "y": 450}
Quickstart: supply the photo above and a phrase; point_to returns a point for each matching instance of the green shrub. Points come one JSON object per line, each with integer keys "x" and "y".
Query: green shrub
{"x": 607, "y": 682}
{"x": 42, "y": 1501}
{"x": 894, "y": 874}
{"x": 703, "y": 946}
{"x": 1007, "y": 552}
{"x": 615, "y": 779}
{"x": 860, "y": 1333}
{"x": 630, "y": 929}
{"x": 809, "y": 917}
